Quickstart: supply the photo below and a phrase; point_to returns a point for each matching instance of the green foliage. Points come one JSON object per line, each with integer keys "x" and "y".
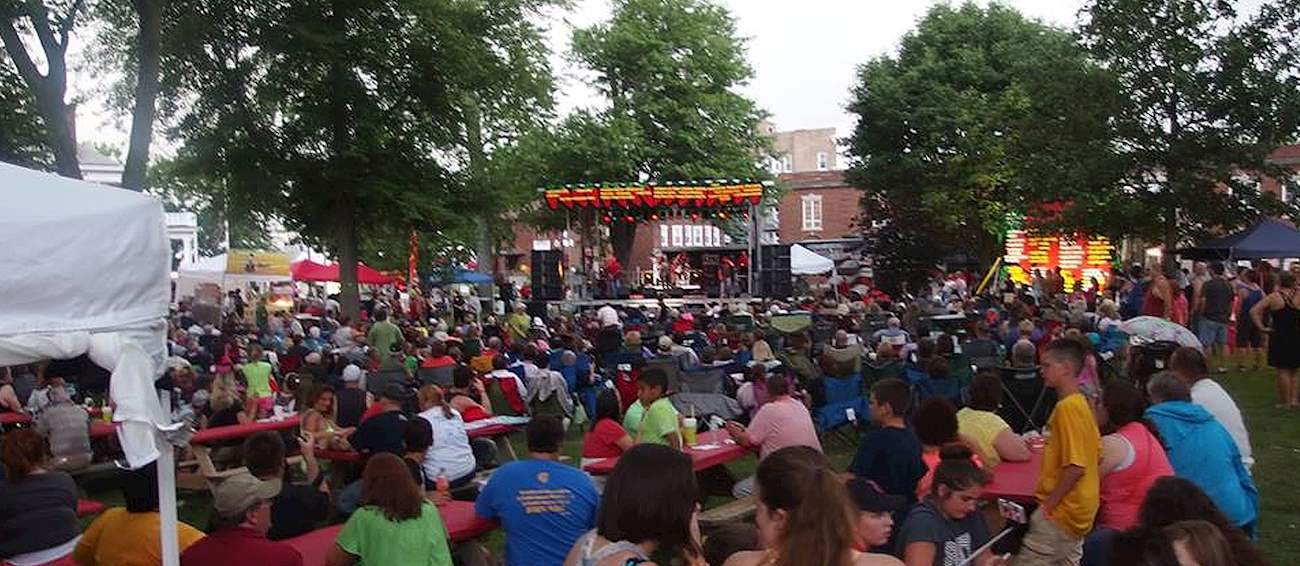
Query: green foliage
{"x": 1208, "y": 94}
{"x": 981, "y": 113}
{"x": 22, "y": 134}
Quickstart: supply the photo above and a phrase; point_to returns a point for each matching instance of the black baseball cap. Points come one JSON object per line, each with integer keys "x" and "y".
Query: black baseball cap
{"x": 868, "y": 497}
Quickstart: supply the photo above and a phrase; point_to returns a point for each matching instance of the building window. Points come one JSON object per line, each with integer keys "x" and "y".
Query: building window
{"x": 787, "y": 163}
{"x": 774, "y": 165}
{"x": 812, "y": 213}
{"x": 823, "y": 161}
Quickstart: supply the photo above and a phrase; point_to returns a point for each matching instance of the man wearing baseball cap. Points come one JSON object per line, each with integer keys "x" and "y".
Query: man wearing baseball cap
{"x": 241, "y": 514}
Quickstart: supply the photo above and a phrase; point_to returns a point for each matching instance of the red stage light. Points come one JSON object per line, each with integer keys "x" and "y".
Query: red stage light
{"x": 629, "y": 219}
{"x": 607, "y": 219}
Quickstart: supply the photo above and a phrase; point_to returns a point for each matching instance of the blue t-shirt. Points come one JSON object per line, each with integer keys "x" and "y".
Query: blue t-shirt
{"x": 891, "y": 457}
{"x": 543, "y": 508}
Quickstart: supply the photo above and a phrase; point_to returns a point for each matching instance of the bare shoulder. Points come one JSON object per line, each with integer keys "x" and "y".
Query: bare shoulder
{"x": 872, "y": 559}
{"x": 746, "y": 558}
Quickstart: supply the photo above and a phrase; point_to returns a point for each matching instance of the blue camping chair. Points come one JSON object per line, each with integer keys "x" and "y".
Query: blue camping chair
{"x": 923, "y": 386}
{"x": 842, "y": 394}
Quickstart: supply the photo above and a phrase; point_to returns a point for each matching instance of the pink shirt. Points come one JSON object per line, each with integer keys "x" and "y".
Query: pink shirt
{"x": 1122, "y": 491}
{"x": 780, "y": 423}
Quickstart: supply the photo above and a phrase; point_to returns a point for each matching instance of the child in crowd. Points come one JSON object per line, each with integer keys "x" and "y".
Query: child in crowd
{"x": 890, "y": 456}
{"x": 1069, "y": 482}
{"x": 659, "y": 423}
{"x": 947, "y": 528}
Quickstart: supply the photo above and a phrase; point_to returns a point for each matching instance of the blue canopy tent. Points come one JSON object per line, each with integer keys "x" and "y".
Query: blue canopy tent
{"x": 1267, "y": 238}
{"x": 462, "y": 276}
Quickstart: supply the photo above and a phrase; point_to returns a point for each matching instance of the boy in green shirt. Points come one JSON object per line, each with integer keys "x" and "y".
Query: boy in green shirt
{"x": 660, "y": 423}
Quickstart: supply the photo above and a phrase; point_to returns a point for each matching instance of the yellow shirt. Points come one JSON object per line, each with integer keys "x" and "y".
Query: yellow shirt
{"x": 1074, "y": 441}
{"x": 118, "y": 538}
{"x": 982, "y": 427}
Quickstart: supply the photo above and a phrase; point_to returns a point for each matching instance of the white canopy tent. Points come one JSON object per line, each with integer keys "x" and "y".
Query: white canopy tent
{"x": 85, "y": 270}
{"x": 804, "y": 261}
{"x": 213, "y": 270}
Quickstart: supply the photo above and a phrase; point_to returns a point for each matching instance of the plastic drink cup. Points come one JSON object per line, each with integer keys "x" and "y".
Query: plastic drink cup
{"x": 688, "y": 430}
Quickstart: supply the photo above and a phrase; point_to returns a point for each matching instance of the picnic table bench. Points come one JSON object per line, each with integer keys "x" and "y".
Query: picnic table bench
{"x": 457, "y": 517}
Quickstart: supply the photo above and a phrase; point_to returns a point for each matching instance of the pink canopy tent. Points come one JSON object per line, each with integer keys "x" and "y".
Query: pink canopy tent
{"x": 308, "y": 270}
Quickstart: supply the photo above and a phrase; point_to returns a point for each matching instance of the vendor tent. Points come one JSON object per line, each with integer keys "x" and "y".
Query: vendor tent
{"x": 1267, "y": 238}
{"x": 804, "y": 261}
{"x": 84, "y": 269}
{"x": 308, "y": 270}
{"x": 214, "y": 270}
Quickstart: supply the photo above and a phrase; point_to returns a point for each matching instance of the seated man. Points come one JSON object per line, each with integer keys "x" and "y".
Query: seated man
{"x": 843, "y": 358}
{"x": 543, "y": 505}
{"x": 241, "y": 515}
{"x": 297, "y": 508}
{"x": 1189, "y": 365}
{"x": 782, "y": 421}
{"x": 67, "y": 426}
{"x": 1201, "y": 450}
{"x": 384, "y": 432}
{"x": 892, "y": 333}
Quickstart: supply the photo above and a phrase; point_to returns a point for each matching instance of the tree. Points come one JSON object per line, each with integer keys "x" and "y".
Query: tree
{"x": 22, "y": 134}
{"x": 1208, "y": 94}
{"x": 670, "y": 70}
{"x": 981, "y": 114}
{"x": 52, "y": 23}
{"x": 345, "y": 119}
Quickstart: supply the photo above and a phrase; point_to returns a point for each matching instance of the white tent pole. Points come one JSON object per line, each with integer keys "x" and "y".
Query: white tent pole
{"x": 167, "y": 491}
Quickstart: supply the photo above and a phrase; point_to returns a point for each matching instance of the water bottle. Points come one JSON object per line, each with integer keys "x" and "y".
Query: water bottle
{"x": 442, "y": 484}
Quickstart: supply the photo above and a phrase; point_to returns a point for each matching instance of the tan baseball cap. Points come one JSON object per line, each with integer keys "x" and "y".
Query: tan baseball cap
{"x": 239, "y": 492}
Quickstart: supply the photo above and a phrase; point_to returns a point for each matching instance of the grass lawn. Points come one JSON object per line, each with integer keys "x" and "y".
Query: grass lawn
{"x": 1275, "y": 437}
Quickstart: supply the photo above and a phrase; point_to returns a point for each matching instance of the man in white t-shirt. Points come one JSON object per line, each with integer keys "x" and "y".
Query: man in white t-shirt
{"x": 1189, "y": 364}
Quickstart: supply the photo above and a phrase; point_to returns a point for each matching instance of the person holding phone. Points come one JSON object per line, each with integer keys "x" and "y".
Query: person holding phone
{"x": 946, "y": 529}
{"x": 783, "y": 421}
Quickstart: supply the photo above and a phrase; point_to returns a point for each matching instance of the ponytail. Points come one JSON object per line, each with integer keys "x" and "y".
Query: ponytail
{"x": 430, "y": 396}
{"x": 819, "y": 517}
{"x": 957, "y": 470}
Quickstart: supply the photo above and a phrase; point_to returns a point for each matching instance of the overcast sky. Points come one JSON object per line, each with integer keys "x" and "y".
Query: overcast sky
{"x": 804, "y": 54}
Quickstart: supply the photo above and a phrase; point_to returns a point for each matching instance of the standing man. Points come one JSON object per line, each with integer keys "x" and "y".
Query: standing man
{"x": 383, "y": 334}
{"x": 1212, "y": 310}
{"x": 1069, "y": 483}
{"x": 543, "y": 505}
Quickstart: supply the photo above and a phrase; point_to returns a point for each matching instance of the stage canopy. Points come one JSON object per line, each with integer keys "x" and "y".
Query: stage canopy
{"x": 1267, "y": 238}
{"x": 308, "y": 270}
{"x": 804, "y": 261}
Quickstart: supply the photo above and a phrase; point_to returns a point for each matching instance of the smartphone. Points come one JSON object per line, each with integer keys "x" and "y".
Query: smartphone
{"x": 1012, "y": 511}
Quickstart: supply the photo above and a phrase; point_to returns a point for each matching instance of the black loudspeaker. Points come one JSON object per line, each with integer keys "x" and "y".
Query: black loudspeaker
{"x": 774, "y": 274}
{"x": 537, "y": 309}
{"x": 548, "y": 281}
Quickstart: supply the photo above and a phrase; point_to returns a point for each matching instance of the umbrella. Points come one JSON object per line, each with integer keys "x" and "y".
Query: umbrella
{"x": 1152, "y": 329}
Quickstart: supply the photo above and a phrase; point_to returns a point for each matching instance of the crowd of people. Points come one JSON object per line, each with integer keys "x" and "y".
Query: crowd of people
{"x": 402, "y": 384}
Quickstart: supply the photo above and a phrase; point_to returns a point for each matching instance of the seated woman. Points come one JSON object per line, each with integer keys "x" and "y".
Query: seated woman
{"x": 1172, "y": 499}
{"x": 979, "y": 421}
{"x": 38, "y": 505}
{"x": 804, "y": 514}
{"x": 649, "y": 507}
{"x": 451, "y": 454}
{"x": 935, "y": 421}
{"x": 946, "y": 528}
{"x": 394, "y": 523}
{"x": 319, "y": 420}
{"x": 606, "y": 439}
{"x": 466, "y": 396}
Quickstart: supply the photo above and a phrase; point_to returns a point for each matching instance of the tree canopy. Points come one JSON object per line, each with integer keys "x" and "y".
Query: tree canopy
{"x": 980, "y": 114}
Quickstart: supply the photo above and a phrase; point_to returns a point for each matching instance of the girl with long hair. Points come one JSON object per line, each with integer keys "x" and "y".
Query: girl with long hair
{"x": 318, "y": 419}
{"x": 394, "y": 525}
{"x": 649, "y": 507}
{"x": 606, "y": 439}
{"x": 1172, "y": 499}
{"x": 804, "y": 515}
{"x": 451, "y": 454}
{"x": 946, "y": 528}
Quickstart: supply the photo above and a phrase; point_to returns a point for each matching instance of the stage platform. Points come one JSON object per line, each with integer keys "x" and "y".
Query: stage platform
{"x": 675, "y": 302}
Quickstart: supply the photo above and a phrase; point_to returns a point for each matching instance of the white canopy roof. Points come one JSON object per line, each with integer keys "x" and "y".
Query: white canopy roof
{"x": 804, "y": 261}
{"x": 78, "y": 256}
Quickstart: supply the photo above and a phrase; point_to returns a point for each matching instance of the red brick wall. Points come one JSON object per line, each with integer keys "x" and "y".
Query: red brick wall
{"x": 840, "y": 206}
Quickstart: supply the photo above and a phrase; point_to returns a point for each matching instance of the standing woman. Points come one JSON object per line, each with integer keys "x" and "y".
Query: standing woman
{"x": 804, "y": 515}
{"x": 1159, "y": 298}
{"x": 649, "y": 507}
{"x": 395, "y": 525}
{"x": 1283, "y": 336}
{"x": 1249, "y": 339}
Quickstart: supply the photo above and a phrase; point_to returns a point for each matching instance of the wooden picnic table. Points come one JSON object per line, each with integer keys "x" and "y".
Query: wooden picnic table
{"x": 457, "y": 517}
{"x": 713, "y": 448}
{"x": 1016, "y": 480}
{"x": 243, "y": 430}
{"x": 98, "y": 428}
{"x": 489, "y": 431}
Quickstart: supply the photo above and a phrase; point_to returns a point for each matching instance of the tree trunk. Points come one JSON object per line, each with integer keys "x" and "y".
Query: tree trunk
{"x": 345, "y": 227}
{"x": 135, "y": 176}
{"x": 50, "y": 88}
{"x": 483, "y": 248}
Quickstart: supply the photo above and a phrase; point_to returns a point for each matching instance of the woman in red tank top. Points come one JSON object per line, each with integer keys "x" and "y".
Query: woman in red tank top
{"x": 1156, "y": 302}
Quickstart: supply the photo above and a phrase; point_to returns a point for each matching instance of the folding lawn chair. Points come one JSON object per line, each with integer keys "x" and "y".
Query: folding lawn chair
{"x": 845, "y": 405}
